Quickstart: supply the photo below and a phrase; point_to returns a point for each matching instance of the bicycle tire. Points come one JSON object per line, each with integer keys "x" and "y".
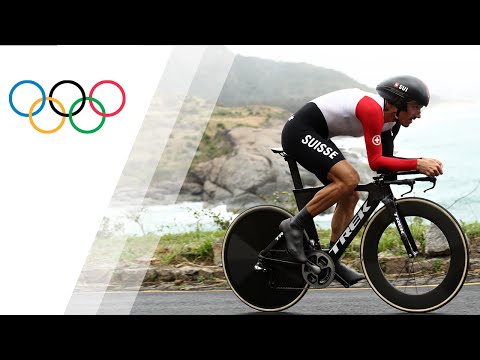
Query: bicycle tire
{"x": 444, "y": 276}
{"x": 249, "y": 233}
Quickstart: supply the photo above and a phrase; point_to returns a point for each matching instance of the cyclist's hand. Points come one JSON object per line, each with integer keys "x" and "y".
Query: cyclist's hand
{"x": 430, "y": 167}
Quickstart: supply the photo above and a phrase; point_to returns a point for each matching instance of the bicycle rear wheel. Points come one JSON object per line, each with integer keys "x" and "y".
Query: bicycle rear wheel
{"x": 428, "y": 281}
{"x": 251, "y": 232}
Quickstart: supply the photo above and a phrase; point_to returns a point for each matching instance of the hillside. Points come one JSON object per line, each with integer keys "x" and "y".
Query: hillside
{"x": 255, "y": 81}
{"x": 251, "y": 104}
{"x": 214, "y": 143}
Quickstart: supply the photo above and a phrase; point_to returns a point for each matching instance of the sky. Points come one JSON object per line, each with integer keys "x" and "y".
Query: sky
{"x": 450, "y": 71}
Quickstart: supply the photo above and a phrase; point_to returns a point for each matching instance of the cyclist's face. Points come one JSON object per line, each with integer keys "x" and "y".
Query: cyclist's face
{"x": 414, "y": 108}
{"x": 414, "y": 111}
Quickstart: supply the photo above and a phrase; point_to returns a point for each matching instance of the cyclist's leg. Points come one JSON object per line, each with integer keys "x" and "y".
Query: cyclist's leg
{"x": 305, "y": 137}
{"x": 344, "y": 178}
{"x": 341, "y": 218}
{"x": 346, "y": 204}
{"x": 323, "y": 200}
{"x": 343, "y": 214}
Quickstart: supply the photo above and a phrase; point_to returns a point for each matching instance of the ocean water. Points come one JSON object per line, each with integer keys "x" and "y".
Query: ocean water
{"x": 449, "y": 132}
{"x": 168, "y": 219}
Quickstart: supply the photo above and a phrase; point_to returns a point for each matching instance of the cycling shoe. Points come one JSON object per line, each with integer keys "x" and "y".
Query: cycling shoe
{"x": 294, "y": 240}
{"x": 349, "y": 275}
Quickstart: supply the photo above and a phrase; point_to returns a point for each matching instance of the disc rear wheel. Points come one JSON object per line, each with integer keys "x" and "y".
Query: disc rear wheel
{"x": 252, "y": 231}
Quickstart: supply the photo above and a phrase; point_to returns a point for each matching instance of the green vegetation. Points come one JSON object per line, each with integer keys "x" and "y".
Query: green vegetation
{"x": 437, "y": 265}
{"x": 170, "y": 249}
{"x": 472, "y": 230}
{"x": 215, "y": 143}
{"x": 193, "y": 246}
{"x": 160, "y": 246}
{"x": 284, "y": 199}
{"x": 198, "y": 245}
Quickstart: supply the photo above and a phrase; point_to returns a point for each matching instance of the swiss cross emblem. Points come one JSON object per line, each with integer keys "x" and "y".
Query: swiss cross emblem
{"x": 396, "y": 85}
{"x": 376, "y": 140}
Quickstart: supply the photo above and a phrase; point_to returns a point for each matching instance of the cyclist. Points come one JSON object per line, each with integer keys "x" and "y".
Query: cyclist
{"x": 307, "y": 136}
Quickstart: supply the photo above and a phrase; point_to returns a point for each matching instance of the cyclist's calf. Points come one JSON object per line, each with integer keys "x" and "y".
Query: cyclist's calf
{"x": 343, "y": 213}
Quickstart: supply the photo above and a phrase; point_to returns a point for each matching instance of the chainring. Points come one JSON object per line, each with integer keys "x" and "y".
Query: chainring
{"x": 327, "y": 274}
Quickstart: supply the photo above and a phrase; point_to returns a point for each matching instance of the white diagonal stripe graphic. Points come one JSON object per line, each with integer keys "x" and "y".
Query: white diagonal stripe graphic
{"x": 137, "y": 174}
{"x": 190, "y": 123}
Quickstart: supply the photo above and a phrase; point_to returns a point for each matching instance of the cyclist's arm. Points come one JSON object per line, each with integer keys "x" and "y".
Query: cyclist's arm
{"x": 370, "y": 115}
{"x": 388, "y": 138}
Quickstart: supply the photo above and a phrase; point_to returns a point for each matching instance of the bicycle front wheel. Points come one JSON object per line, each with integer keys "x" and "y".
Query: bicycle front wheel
{"x": 431, "y": 279}
{"x": 252, "y": 231}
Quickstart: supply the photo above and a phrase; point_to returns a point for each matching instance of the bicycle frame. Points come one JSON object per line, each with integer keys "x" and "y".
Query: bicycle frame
{"x": 378, "y": 191}
{"x": 264, "y": 275}
{"x": 375, "y": 196}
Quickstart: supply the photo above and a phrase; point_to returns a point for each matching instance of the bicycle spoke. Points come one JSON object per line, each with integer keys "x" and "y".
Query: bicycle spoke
{"x": 417, "y": 275}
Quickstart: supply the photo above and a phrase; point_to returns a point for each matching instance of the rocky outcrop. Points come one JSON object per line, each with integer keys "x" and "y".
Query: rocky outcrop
{"x": 252, "y": 173}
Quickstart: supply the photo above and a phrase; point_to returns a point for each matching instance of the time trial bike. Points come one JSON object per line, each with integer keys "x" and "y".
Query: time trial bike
{"x": 424, "y": 276}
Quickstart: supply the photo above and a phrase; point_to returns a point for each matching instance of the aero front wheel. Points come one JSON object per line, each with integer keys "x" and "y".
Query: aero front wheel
{"x": 251, "y": 232}
{"x": 432, "y": 278}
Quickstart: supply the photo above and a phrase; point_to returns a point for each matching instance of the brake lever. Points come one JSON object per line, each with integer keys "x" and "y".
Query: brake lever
{"x": 411, "y": 188}
{"x": 432, "y": 179}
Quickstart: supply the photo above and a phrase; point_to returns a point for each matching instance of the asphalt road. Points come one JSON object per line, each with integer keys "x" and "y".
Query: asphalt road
{"x": 330, "y": 301}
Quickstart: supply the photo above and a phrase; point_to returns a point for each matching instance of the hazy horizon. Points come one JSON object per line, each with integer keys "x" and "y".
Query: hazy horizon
{"x": 450, "y": 71}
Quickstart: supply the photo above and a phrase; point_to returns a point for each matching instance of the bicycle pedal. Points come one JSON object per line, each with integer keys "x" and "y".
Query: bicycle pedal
{"x": 314, "y": 245}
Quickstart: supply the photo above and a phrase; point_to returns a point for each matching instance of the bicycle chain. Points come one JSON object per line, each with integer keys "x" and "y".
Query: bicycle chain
{"x": 290, "y": 287}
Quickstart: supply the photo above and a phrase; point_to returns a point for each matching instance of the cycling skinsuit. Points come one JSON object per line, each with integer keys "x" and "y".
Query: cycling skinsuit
{"x": 350, "y": 112}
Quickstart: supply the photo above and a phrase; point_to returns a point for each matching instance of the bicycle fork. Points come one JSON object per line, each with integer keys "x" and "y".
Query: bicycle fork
{"x": 402, "y": 227}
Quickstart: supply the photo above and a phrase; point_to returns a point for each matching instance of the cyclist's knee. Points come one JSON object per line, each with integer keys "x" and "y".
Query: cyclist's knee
{"x": 354, "y": 197}
{"x": 348, "y": 182}
{"x": 345, "y": 176}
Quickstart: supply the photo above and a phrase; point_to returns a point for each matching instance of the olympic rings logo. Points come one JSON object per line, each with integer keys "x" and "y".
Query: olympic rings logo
{"x": 71, "y": 113}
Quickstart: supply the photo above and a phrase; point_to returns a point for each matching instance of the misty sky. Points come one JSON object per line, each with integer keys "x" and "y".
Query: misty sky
{"x": 450, "y": 71}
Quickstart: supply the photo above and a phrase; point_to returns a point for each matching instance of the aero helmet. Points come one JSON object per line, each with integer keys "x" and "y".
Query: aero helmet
{"x": 400, "y": 90}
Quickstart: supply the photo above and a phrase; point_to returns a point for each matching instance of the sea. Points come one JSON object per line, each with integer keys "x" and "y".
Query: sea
{"x": 449, "y": 132}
